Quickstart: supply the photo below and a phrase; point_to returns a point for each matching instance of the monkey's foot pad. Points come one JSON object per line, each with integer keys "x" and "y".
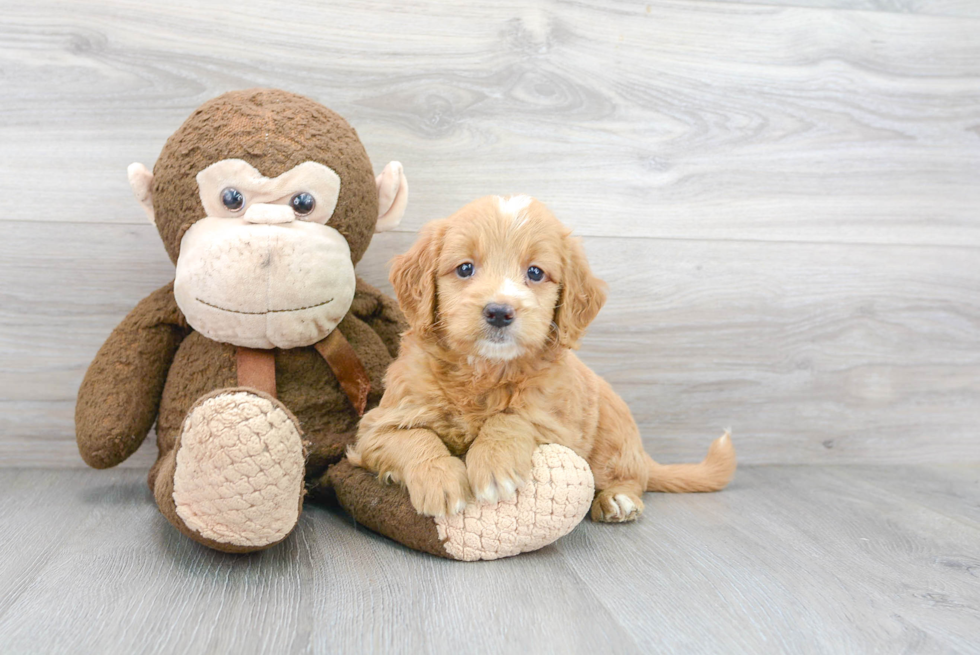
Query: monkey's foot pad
{"x": 556, "y": 499}
{"x": 239, "y": 470}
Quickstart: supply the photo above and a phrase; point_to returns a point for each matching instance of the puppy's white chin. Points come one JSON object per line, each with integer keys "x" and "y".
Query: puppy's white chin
{"x": 498, "y": 351}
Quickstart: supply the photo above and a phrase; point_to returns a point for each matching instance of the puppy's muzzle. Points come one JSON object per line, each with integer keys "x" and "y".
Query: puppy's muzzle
{"x": 499, "y": 316}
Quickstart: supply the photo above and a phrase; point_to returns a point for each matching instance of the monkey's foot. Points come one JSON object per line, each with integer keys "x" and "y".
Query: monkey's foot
{"x": 547, "y": 508}
{"x": 237, "y": 481}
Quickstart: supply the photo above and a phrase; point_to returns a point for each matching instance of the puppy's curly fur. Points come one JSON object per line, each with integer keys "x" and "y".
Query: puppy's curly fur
{"x": 467, "y": 400}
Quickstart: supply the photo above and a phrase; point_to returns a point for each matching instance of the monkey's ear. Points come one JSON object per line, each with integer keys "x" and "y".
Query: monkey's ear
{"x": 141, "y": 182}
{"x": 392, "y": 196}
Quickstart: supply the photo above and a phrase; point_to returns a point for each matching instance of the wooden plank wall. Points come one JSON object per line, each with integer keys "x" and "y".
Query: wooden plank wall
{"x": 783, "y": 196}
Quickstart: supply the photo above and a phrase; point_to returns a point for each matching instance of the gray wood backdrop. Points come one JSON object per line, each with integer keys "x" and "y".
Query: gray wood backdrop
{"x": 783, "y": 196}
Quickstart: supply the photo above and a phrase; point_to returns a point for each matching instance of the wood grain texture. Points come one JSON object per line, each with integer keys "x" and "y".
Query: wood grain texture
{"x": 668, "y": 119}
{"x": 812, "y": 352}
{"x": 831, "y": 563}
{"x": 836, "y": 551}
{"x": 782, "y": 195}
{"x": 963, "y": 8}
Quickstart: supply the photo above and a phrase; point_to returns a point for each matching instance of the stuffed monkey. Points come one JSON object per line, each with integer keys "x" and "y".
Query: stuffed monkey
{"x": 257, "y": 361}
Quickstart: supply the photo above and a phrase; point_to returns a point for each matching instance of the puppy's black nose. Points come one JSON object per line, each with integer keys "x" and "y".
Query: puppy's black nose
{"x": 498, "y": 315}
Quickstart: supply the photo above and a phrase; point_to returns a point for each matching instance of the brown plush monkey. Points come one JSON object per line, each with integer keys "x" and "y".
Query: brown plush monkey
{"x": 258, "y": 360}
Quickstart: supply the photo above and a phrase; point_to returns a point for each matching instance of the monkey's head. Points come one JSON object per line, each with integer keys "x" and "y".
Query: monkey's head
{"x": 265, "y": 201}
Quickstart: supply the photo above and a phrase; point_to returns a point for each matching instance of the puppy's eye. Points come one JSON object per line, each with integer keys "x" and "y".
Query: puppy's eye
{"x": 232, "y": 199}
{"x": 302, "y": 203}
{"x": 464, "y": 270}
{"x": 535, "y": 274}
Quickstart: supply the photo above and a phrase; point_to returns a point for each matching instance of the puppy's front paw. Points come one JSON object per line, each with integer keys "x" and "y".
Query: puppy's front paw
{"x": 439, "y": 487}
{"x": 616, "y": 506}
{"x": 497, "y": 469}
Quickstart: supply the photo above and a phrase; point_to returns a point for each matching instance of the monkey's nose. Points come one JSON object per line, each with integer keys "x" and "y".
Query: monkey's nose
{"x": 268, "y": 214}
{"x": 498, "y": 315}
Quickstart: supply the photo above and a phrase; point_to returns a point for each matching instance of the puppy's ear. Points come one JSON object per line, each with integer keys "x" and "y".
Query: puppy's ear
{"x": 582, "y": 295}
{"x": 413, "y": 275}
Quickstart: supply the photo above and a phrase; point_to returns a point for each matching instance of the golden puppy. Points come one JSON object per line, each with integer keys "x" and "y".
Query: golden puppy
{"x": 497, "y": 296}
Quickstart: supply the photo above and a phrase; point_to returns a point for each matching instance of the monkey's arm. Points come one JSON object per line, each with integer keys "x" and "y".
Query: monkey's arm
{"x": 120, "y": 395}
{"x": 381, "y": 313}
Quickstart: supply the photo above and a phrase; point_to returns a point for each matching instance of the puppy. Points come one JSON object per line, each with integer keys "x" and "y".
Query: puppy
{"x": 497, "y": 296}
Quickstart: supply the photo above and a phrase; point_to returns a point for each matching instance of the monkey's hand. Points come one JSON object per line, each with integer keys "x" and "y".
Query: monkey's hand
{"x": 120, "y": 395}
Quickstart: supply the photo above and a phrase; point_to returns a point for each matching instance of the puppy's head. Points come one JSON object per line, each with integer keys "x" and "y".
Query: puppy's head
{"x": 499, "y": 279}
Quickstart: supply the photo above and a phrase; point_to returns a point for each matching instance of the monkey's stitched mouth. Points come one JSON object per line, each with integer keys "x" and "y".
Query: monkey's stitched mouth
{"x": 268, "y": 311}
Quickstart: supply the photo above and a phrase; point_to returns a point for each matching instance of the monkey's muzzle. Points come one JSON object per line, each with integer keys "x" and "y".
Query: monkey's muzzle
{"x": 263, "y": 284}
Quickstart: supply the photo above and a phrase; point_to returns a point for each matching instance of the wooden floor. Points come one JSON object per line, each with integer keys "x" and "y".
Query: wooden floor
{"x": 789, "y": 559}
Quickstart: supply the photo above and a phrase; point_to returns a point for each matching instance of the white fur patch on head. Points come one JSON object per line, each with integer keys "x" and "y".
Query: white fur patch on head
{"x": 515, "y": 206}
{"x": 510, "y": 289}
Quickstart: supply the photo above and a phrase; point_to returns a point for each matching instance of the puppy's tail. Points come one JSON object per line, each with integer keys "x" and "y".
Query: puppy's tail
{"x": 713, "y": 474}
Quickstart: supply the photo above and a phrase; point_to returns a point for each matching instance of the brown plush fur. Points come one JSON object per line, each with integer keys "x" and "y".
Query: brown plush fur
{"x": 383, "y": 508}
{"x": 120, "y": 395}
{"x": 155, "y": 367}
{"x": 273, "y": 131}
{"x": 462, "y": 389}
{"x": 304, "y": 383}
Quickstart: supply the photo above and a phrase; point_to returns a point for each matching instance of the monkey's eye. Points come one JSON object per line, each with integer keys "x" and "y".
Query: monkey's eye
{"x": 535, "y": 274}
{"x": 464, "y": 270}
{"x": 232, "y": 199}
{"x": 302, "y": 203}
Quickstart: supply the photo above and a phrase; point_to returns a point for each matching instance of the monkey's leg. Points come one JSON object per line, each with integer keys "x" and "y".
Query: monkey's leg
{"x": 549, "y": 506}
{"x": 234, "y": 478}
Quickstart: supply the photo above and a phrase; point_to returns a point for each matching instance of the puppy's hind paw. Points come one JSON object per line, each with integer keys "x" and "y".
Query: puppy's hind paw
{"x": 616, "y": 506}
